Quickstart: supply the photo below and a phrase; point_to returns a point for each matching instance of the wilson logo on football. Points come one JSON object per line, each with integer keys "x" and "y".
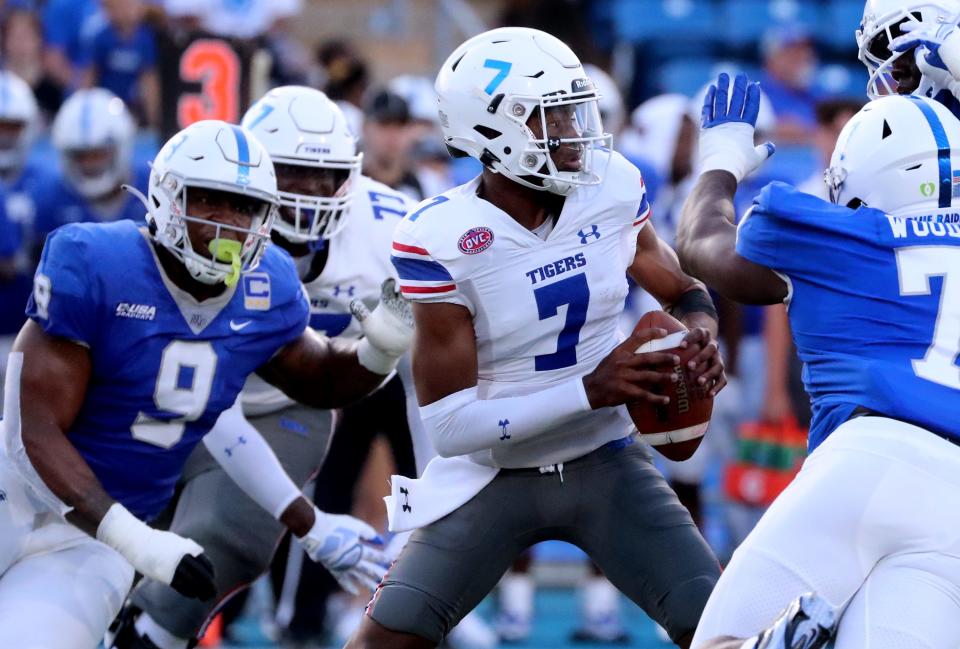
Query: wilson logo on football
{"x": 475, "y": 240}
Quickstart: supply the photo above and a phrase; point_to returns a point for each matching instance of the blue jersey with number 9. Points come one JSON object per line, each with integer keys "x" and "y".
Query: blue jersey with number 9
{"x": 164, "y": 366}
{"x": 874, "y": 305}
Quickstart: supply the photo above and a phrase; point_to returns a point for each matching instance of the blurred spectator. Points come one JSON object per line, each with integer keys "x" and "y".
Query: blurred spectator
{"x": 21, "y": 49}
{"x": 832, "y": 115}
{"x": 248, "y": 19}
{"x": 790, "y": 63}
{"x": 65, "y": 24}
{"x": 121, "y": 57}
{"x": 344, "y": 77}
{"x": 431, "y": 163}
{"x": 389, "y": 133}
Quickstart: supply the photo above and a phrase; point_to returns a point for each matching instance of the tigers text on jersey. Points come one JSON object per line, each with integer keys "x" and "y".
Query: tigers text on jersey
{"x": 874, "y": 305}
{"x": 544, "y": 311}
{"x": 358, "y": 260}
{"x": 164, "y": 366}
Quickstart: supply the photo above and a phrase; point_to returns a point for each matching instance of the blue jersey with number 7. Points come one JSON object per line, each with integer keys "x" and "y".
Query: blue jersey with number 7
{"x": 164, "y": 366}
{"x": 874, "y": 305}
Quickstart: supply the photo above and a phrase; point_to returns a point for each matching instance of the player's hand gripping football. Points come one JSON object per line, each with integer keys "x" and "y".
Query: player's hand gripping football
{"x": 727, "y": 127}
{"x": 625, "y": 375}
{"x": 343, "y": 545}
{"x": 707, "y": 366}
{"x": 387, "y": 331}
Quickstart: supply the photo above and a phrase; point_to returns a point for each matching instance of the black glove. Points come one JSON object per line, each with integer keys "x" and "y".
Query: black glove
{"x": 194, "y": 577}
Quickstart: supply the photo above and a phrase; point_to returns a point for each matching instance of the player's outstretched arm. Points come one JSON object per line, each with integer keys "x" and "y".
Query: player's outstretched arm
{"x": 706, "y": 235}
{"x": 346, "y": 546}
{"x": 330, "y": 373}
{"x": 707, "y": 240}
{"x": 53, "y": 380}
{"x": 460, "y": 422}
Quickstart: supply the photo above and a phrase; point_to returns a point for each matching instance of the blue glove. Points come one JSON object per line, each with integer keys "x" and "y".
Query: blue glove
{"x": 727, "y": 125}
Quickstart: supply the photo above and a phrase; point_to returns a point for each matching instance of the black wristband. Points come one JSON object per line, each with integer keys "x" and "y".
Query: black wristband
{"x": 697, "y": 300}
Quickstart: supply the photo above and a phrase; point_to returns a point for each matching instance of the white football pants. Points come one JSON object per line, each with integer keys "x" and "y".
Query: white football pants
{"x": 59, "y": 587}
{"x": 871, "y": 522}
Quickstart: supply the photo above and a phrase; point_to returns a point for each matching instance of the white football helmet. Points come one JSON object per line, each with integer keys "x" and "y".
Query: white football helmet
{"x": 215, "y": 155}
{"x": 896, "y": 155}
{"x": 881, "y": 24}
{"x": 18, "y": 114}
{"x": 91, "y": 120}
{"x": 495, "y": 82}
{"x": 300, "y": 126}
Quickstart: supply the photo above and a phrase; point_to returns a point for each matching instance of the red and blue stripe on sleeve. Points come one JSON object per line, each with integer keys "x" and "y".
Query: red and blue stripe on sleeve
{"x": 643, "y": 213}
{"x": 420, "y": 276}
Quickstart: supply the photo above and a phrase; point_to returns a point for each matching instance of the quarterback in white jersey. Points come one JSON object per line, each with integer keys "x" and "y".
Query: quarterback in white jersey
{"x": 337, "y": 225}
{"x": 518, "y": 279}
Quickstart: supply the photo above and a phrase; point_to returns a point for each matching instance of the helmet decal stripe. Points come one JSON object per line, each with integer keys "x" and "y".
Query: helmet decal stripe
{"x": 85, "y": 118}
{"x": 943, "y": 150}
{"x": 243, "y": 155}
{"x": 4, "y": 96}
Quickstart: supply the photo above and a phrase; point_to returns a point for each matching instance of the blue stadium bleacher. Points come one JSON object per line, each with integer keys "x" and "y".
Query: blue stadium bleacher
{"x": 841, "y": 20}
{"x": 689, "y": 76}
{"x": 746, "y": 21}
{"x": 680, "y": 26}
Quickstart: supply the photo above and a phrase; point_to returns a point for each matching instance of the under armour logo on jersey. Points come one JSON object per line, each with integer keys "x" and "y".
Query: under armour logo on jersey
{"x": 349, "y": 290}
{"x": 503, "y": 423}
{"x": 3, "y": 496}
{"x": 585, "y": 236}
{"x": 241, "y": 440}
{"x": 406, "y": 500}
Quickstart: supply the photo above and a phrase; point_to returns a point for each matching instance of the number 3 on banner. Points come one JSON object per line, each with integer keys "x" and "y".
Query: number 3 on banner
{"x": 214, "y": 65}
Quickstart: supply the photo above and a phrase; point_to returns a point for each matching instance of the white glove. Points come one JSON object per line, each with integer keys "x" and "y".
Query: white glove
{"x": 727, "y": 128}
{"x": 387, "y": 331}
{"x": 163, "y": 556}
{"x": 937, "y": 45}
{"x": 341, "y": 544}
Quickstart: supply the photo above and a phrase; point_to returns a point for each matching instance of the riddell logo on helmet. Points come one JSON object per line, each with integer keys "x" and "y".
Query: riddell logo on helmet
{"x": 581, "y": 85}
{"x": 475, "y": 240}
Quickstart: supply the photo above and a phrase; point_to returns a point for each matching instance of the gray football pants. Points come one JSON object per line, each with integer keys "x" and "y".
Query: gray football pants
{"x": 236, "y": 534}
{"x": 612, "y": 503}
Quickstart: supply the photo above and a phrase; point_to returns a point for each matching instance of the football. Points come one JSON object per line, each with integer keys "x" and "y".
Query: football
{"x": 674, "y": 429}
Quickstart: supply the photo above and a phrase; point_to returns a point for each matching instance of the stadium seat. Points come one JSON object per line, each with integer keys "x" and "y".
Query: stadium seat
{"x": 689, "y": 76}
{"x": 676, "y": 20}
{"x": 746, "y": 21}
{"x": 685, "y": 76}
{"x": 841, "y": 20}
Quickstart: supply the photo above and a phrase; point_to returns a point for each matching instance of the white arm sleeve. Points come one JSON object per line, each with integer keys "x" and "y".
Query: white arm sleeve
{"x": 13, "y": 441}
{"x": 250, "y": 462}
{"x": 461, "y": 423}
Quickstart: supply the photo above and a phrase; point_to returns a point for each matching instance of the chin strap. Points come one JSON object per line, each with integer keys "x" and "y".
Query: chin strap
{"x": 228, "y": 251}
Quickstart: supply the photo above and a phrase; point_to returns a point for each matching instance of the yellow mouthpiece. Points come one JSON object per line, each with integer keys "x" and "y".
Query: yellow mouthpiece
{"x": 228, "y": 251}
